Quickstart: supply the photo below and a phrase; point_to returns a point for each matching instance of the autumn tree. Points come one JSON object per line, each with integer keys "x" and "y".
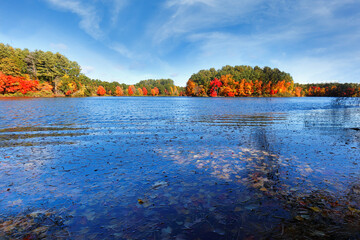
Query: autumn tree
{"x": 145, "y": 91}
{"x": 11, "y": 84}
{"x": 155, "y": 91}
{"x": 140, "y": 92}
{"x": 258, "y": 87}
{"x": 298, "y": 91}
{"x": 190, "y": 88}
{"x": 215, "y": 84}
{"x": 119, "y": 91}
{"x": 101, "y": 91}
{"x": 130, "y": 90}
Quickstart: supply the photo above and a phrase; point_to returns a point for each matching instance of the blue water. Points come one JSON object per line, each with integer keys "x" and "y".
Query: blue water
{"x": 176, "y": 168}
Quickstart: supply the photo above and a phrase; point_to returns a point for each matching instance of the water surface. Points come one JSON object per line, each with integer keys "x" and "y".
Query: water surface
{"x": 179, "y": 168}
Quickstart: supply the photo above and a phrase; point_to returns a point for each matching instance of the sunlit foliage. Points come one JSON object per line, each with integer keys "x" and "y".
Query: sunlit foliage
{"x": 58, "y": 76}
{"x": 119, "y": 91}
{"x": 155, "y": 91}
{"x": 245, "y": 81}
{"x": 145, "y": 91}
{"x": 101, "y": 91}
{"x": 11, "y": 84}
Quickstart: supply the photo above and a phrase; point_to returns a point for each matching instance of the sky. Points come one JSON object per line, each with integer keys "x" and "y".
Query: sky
{"x": 132, "y": 40}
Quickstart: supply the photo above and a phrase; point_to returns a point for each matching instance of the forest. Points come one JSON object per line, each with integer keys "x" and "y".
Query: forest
{"x": 246, "y": 81}
{"x": 46, "y": 74}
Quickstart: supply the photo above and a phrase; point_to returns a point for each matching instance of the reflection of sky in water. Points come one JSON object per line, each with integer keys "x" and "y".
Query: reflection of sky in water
{"x": 93, "y": 158}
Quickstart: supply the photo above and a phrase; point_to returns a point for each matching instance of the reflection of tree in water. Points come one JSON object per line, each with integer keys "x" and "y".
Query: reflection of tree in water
{"x": 270, "y": 161}
{"x": 345, "y": 101}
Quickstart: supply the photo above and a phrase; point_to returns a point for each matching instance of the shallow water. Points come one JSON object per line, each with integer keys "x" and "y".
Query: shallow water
{"x": 180, "y": 168}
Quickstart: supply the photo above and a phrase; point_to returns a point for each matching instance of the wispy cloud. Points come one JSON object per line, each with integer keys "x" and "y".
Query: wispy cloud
{"x": 116, "y": 7}
{"x": 186, "y": 16}
{"x": 122, "y": 50}
{"x": 59, "y": 46}
{"x": 214, "y": 33}
{"x": 90, "y": 21}
{"x": 87, "y": 69}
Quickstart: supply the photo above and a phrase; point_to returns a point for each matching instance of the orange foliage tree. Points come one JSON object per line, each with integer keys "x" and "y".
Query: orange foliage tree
{"x": 190, "y": 88}
{"x": 248, "y": 88}
{"x": 258, "y": 87}
{"x": 119, "y": 91}
{"x": 298, "y": 91}
{"x": 140, "y": 92}
{"x": 155, "y": 91}
{"x": 101, "y": 91}
{"x": 241, "y": 88}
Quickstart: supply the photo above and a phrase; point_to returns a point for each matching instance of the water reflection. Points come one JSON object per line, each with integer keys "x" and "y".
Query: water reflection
{"x": 38, "y": 136}
{"x": 181, "y": 168}
{"x": 244, "y": 120}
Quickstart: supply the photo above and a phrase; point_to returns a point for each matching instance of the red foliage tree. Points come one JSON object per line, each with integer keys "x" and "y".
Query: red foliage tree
{"x": 131, "y": 90}
{"x": 145, "y": 91}
{"x": 11, "y": 84}
{"x": 214, "y": 87}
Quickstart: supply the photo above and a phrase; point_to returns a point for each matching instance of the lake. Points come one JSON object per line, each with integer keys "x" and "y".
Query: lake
{"x": 179, "y": 168}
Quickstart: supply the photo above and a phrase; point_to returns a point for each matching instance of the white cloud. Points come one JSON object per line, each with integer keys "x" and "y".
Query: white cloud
{"x": 188, "y": 16}
{"x": 59, "y": 46}
{"x": 87, "y": 69}
{"x": 121, "y": 49}
{"x": 182, "y": 17}
{"x": 171, "y": 3}
{"x": 117, "y": 6}
{"x": 90, "y": 21}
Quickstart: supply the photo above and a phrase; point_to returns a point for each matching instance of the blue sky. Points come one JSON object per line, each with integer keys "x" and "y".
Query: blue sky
{"x": 132, "y": 40}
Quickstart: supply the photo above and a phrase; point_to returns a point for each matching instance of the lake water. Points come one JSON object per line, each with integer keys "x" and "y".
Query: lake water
{"x": 179, "y": 168}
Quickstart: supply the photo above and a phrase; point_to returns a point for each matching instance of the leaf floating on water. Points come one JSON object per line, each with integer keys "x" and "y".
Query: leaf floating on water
{"x": 140, "y": 201}
{"x": 40, "y": 230}
{"x": 237, "y": 209}
{"x": 354, "y": 210}
{"x": 318, "y": 233}
{"x": 159, "y": 184}
{"x": 315, "y": 209}
{"x": 16, "y": 202}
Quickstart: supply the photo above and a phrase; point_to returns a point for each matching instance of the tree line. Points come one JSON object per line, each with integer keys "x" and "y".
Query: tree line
{"x": 246, "y": 81}
{"x": 38, "y": 73}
